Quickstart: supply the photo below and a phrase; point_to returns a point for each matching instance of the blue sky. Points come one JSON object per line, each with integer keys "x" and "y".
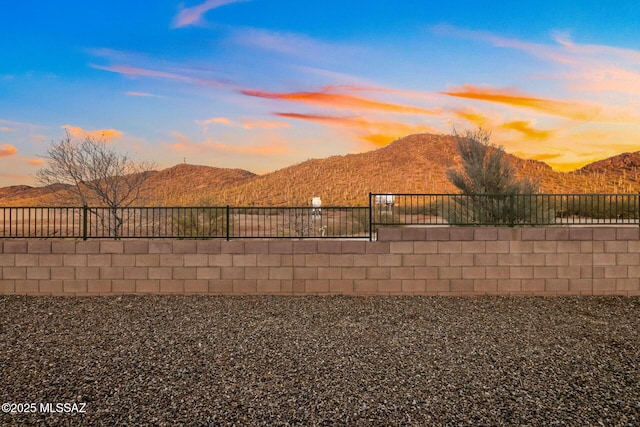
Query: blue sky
{"x": 263, "y": 84}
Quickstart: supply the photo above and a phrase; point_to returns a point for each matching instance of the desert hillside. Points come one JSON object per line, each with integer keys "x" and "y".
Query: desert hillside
{"x": 414, "y": 164}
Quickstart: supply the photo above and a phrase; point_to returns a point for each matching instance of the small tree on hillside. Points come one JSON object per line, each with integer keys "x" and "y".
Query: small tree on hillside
{"x": 97, "y": 175}
{"x": 491, "y": 192}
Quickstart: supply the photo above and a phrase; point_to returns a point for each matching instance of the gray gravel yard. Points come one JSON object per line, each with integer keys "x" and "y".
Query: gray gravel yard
{"x": 209, "y": 361}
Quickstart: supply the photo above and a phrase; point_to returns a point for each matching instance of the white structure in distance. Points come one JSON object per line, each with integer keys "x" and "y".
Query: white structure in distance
{"x": 386, "y": 200}
{"x": 316, "y": 212}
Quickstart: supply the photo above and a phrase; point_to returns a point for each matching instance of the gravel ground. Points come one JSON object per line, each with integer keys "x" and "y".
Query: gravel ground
{"x": 209, "y": 361}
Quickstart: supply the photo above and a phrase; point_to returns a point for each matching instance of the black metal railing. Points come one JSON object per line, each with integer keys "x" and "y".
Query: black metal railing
{"x": 228, "y": 222}
{"x": 504, "y": 210}
{"x": 185, "y": 222}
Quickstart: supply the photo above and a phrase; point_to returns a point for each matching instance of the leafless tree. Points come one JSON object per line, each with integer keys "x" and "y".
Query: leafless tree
{"x": 96, "y": 175}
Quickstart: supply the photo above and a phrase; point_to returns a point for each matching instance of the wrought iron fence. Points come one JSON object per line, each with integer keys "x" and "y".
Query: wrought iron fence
{"x": 228, "y": 222}
{"x": 504, "y": 210}
{"x": 185, "y": 222}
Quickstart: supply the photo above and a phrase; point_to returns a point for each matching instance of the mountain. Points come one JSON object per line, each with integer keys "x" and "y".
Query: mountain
{"x": 179, "y": 185}
{"x": 413, "y": 164}
{"x": 190, "y": 184}
{"x": 622, "y": 168}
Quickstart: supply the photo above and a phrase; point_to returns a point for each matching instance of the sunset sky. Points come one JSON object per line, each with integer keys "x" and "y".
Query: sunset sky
{"x": 263, "y": 84}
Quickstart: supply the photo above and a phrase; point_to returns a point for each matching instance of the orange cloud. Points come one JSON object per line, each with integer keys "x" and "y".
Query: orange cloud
{"x": 106, "y": 134}
{"x": 7, "y": 150}
{"x": 540, "y": 157}
{"x": 193, "y": 15}
{"x": 525, "y": 128}
{"x": 340, "y": 101}
{"x": 35, "y": 162}
{"x": 5, "y": 129}
{"x": 473, "y": 117}
{"x": 571, "y": 110}
{"x": 378, "y": 132}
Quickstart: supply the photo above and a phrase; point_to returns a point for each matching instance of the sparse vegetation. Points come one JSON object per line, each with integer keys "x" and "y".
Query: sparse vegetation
{"x": 199, "y": 222}
{"x": 598, "y": 207}
{"x": 491, "y": 191}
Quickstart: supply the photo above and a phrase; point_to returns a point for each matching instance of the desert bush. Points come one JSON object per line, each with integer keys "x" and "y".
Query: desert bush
{"x": 619, "y": 206}
{"x": 491, "y": 192}
{"x": 199, "y": 222}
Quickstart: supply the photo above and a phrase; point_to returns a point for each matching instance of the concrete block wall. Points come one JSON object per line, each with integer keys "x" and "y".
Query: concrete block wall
{"x": 403, "y": 261}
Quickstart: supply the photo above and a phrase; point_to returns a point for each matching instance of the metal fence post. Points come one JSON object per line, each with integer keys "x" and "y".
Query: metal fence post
{"x": 511, "y": 210}
{"x": 85, "y": 221}
{"x": 370, "y": 219}
{"x": 227, "y": 222}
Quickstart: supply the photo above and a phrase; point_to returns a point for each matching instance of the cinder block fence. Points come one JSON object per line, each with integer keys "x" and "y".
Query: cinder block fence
{"x": 403, "y": 261}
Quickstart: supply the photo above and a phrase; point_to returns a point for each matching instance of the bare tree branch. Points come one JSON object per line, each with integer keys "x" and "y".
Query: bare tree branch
{"x": 96, "y": 174}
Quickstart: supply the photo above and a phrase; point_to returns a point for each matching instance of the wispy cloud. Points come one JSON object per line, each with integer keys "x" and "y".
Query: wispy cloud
{"x": 341, "y": 101}
{"x": 101, "y": 134}
{"x": 378, "y": 132}
{"x": 257, "y": 150}
{"x": 7, "y": 150}
{"x": 215, "y": 120}
{"x": 207, "y": 146}
{"x": 244, "y": 123}
{"x": 293, "y": 45}
{"x": 131, "y": 71}
{"x": 473, "y": 117}
{"x": 263, "y": 124}
{"x": 590, "y": 67}
{"x": 535, "y": 49}
{"x": 526, "y": 128}
{"x": 572, "y": 110}
{"x": 34, "y": 161}
{"x": 193, "y": 15}
{"x": 141, "y": 94}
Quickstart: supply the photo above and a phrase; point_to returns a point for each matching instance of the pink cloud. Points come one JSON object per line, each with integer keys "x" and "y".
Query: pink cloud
{"x": 608, "y": 78}
{"x": 536, "y": 49}
{"x": 193, "y": 15}
{"x": 143, "y": 94}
